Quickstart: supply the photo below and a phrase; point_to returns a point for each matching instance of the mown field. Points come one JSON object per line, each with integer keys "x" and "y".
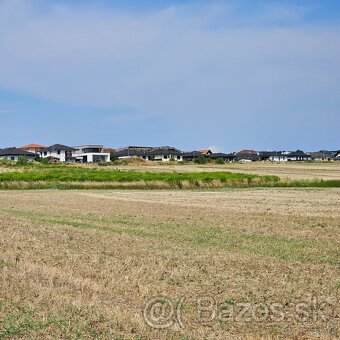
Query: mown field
{"x": 233, "y": 263}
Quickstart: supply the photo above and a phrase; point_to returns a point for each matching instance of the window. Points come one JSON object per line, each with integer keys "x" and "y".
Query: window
{"x": 45, "y": 153}
{"x": 165, "y": 157}
{"x": 12, "y": 158}
{"x": 178, "y": 157}
{"x": 58, "y": 152}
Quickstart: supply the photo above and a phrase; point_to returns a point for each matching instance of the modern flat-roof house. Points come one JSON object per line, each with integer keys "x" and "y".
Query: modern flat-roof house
{"x": 32, "y": 147}
{"x": 90, "y": 154}
{"x": 58, "y": 152}
{"x": 13, "y": 154}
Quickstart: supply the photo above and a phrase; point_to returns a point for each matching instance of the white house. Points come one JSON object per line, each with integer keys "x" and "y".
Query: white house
{"x": 298, "y": 156}
{"x": 164, "y": 154}
{"x": 58, "y": 152}
{"x": 321, "y": 156}
{"x": 90, "y": 154}
{"x": 276, "y": 156}
{"x": 284, "y": 156}
{"x": 13, "y": 154}
{"x": 157, "y": 154}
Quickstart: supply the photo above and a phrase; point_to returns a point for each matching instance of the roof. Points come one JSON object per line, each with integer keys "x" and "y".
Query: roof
{"x": 57, "y": 147}
{"x": 320, "y": 154}
{"x": 15, "y": 152}
{"x": 163, "y": 151}
{"x": 89, "y": 146}
{"x": 108, "y": 150}
{"x": 221, "y": 155}
{"x": 192, "y": 154}
{"x": 297, "y": 153}
{"x": 32, "y": 146}
{"x": 128, "y": 153}
{"x": 135, "y": 148}
{"x": 247, "y": 152}
{"x": 205, "y": 151}
{"x": 270, "y": 153}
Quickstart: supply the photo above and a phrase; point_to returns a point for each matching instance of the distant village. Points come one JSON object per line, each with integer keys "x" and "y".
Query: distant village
{"x": 59, "y": 153}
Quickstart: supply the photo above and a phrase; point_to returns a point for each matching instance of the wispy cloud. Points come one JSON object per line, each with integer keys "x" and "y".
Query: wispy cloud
{"x": 185, "y": 62}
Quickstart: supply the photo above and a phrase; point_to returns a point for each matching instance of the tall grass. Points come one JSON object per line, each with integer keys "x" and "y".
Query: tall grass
{"x": 68, "y": 174}
{"x": 72, "y": 177}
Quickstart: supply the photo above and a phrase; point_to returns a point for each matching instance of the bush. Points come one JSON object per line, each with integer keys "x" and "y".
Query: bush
{"x": 43, "y": 160}
{"x": 219, "y": 161}
{"x": 113, "y": 157}
{"x": 201, "y": 160}
{"x": 5, "y": 162}
{"x": 22, "y": 160}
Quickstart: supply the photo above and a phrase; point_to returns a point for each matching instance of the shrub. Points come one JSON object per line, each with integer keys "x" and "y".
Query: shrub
{"x": 22, "y": 160}
{"x": 113, "y": 156}
{"x": 43, "y": 160}
{"x": 219, "y": 161}
{"x": 201, "y": 160}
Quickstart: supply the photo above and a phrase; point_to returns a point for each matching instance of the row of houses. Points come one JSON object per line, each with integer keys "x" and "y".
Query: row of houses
{"x": 166, "y": 153}
{"x": 58, "y": 153}
{"x": 99, "y": 154}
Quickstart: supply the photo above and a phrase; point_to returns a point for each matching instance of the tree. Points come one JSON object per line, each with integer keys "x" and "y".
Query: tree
{"x": 113, "y": 157}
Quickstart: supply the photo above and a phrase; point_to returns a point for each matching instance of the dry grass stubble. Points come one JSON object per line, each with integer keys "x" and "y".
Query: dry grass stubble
{"x": 84, "y": 264}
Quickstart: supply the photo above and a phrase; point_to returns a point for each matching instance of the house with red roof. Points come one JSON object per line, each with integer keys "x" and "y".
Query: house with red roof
{"x": 36, "y": 148}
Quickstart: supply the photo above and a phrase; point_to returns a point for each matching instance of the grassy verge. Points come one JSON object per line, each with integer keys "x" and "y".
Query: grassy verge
{"x": 82, "y": 178}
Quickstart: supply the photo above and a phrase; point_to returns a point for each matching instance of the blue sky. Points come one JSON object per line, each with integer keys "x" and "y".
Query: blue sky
{"x": 227, "y": 74}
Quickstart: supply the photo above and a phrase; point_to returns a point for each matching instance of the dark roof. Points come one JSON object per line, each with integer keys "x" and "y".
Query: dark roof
{"x": 297, "y": 153}
{"x": 163, "y": 151}
{"x": 270, "y": 153}
{"x": 59, "y": 147}
{"x": 221, "y": 155}
{"x": 128, "y": 152}
{"x": 135, "y": 148}
{"x": 247, "y": 152}
{"x": 320, "y": 154}
{"x": 15, "y": 152}
{"x": 192, "y": 154}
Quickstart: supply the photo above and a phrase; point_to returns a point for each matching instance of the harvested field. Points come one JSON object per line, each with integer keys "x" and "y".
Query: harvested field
{"x": 232, "y": 263}
{"x": 287, "y": 170}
